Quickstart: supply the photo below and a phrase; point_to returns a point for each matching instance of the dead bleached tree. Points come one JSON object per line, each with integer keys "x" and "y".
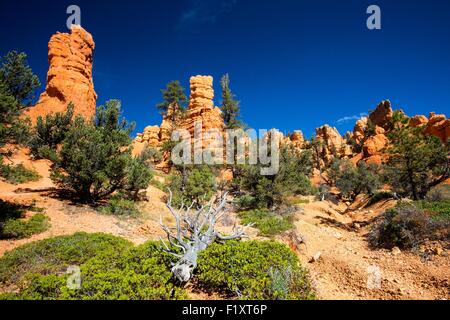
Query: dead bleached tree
{"x": 194, "y": 231}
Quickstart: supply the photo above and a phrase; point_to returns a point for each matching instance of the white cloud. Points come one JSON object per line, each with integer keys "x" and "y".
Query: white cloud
{"x": 351, "y": 118}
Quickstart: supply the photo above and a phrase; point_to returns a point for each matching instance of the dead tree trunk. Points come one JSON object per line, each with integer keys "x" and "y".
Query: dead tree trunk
{"x": 194, "y": 232}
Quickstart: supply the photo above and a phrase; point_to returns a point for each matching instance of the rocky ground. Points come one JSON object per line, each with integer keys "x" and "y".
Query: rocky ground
{"x": 336, "y": 252}
{"x": 346, "y": 263}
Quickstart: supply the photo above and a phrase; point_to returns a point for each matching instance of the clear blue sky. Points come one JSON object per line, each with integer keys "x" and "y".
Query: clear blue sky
{"x": 293, "y": 64}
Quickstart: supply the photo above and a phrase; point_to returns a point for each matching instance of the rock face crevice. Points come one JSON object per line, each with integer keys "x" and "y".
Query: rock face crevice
{"x": 69, "y": 78}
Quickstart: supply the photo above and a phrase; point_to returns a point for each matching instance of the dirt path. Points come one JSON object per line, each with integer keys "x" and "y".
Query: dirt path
{"x": 347, "y": 264}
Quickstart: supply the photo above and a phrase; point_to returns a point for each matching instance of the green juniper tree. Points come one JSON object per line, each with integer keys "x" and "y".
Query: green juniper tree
{"x": 50, "y": 132}
{"x": 417, "y": 162}
{"x": 192, "y": 184}
{"x": 353, "y": 180}
{"x": 268, "y": 191}
{"x": 18, "y": 77}
{"x": 230, "y": 107}
{"x": 95, "y": 159}
{"x": 17, "y": 87}
{"x": 139, "y": 176}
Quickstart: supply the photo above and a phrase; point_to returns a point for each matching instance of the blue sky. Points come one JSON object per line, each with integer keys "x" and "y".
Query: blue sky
{"x": 293, "y": 64}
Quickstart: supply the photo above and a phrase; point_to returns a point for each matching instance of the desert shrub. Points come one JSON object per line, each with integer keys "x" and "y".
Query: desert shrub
{"x": 200, "y": 184}
{"x": 152, "y": 154}
{"x": 20, "y": 228}
{"x": 18, "y": 174}
{"x": 268, "y": 223}
{"x": 353, "y": 181}
{"x": 108, "y": 273}
{"x": 245, "y": 202}
{"x": 407, "y": 226}
{"x": 112, "y": 268}
{"x": 142, "y": 273}
{"x": 269, "y": 191}
{"x": 246, "y": 270}
{"x": 14, "y": 226}
{"x": 138, "y": 178}
{"x": 438, "y": 209}
{"x": 119, "y": 206}
{"x": 196, "y": 184}
{"x": 56, "y": 254}
{"x": 49, "y": 133}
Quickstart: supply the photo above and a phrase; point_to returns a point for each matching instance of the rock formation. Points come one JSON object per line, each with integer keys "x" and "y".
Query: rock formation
{"x": 150, "y": 136}
{"x": 69, "y": 77}
{"x": 418, "y": 121}
{"x": 360, "y": 129}
{"x": 297, "y": 140}
{"x": 331, "y": 144}
{"x": 201, "y": 111}
{"x": 438, "y": 126}
{"x": 382, "y": 115}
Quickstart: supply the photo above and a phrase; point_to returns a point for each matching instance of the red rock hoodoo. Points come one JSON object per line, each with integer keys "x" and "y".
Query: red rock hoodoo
{"x": 69, "y": 78}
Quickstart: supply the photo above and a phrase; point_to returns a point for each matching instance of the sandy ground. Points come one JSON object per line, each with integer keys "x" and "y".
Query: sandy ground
{"x": 349, "y": 269}
{"x": 345, "y": 266}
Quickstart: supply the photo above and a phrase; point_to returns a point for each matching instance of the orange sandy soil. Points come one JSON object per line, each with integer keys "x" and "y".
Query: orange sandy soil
{"x": 339, "y": 273}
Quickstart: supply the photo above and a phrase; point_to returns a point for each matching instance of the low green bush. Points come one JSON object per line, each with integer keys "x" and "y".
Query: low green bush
{"x": 56, "y": 254}
{"x": 20, "y": 228}
{"x": 111, "y": 269}
{"x": 253, "y": 270}
{"x": 141, "y": 273}
{"x": 439, "y": 209}
{"x": 119, "y": 206}
{"x": 18, "y": 174}
{"x": 268, "y": 223}
{"x": 246, "y": 202}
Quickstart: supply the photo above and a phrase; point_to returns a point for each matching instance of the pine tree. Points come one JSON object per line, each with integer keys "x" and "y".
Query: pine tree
{"x": 173, "y": 98}
{"x": 18, "y": 77}
{"x": 17, "y": 86}
{"x": 230, "y": 106}
{"x": 95, "y": 159}
{"x": 417, "y": 162}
